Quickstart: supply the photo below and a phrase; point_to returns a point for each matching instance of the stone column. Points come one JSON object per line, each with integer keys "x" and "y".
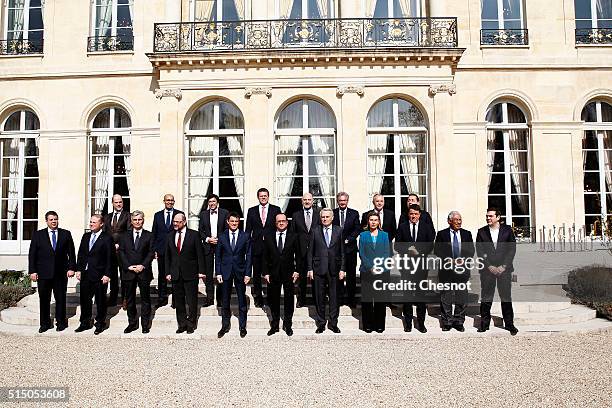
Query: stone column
{"x": 171, "y": 145}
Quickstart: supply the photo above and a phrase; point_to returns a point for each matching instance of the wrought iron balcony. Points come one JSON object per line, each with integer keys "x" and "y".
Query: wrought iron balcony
{"x": 594, "y": 36}
{"x": 219, "y": 36}
{"x": 109, "y": 44}
{"x": 504, "y": 37}
{"x": 21, "y": 47}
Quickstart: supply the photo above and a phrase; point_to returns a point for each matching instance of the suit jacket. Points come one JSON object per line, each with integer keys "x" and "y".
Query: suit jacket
{"x": 321, "y": 259}
{"x": 98, "y": 262}
{"x": 205, "y": 228}
{"x": 256, "y": 230}
{"x": 128, "y": 255}
{"x": 236, "y": 261}
{"x": 123, "y": 224}
{"x": 423, "y": 242}
{"x": 425, "y": 219}
{"x": 159, "y": 230}
{"x": 190, "y": 262}
{"x": 298, "y": 225}
{"x": 504, "y": 254}
{"x": 388, "y": 226}
{"x": 280, "y": 265}
{"x": 369, "y": 250}
{"x": 443, "y": 248}
{"x": 351, "y": 229}
{"x": 46, "y": 262}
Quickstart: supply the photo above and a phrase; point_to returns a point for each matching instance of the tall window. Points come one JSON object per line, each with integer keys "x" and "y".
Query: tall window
{"x": 19, "y": 178}
{"x": 509, "y": 166}
{"x": 397, "y": 153}
{"x": 305, "y": 155}
{"x": 593, "y": 21}
{"x": 393, "y": 8}
{"x": 227, "y": 30}
{"x": 305, "y": 9}
{"x": 392, "y": 21}
{"x": 112, "y": 25}
{"x": 597, "y": 158}
{"x": 217, "y": 10}
{"x": 109, "y": 159}
{"x": 23, "y": 27}
{"x": 503, "y": 22}
{"x": 215, "y": 158}
{"x": 314, "y": 29}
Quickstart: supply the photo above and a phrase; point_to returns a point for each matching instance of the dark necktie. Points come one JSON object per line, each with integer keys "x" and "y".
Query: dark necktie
{"x": 413, "y": 232}
{"x": 342, "y": 218}
{"x": 456, "y": 251}
{"x": 53, "y": 239}
{"x": 168, "y": 218}
{"x": 280, "y": 242}
{"x": 114, "y": 224}
{"x": 212, "y": 212}
{"x": 308, "y": 221}
{"x": 137, "y": 240}
{"x": 233, "y": 243}
{"x": 178, "y": 242}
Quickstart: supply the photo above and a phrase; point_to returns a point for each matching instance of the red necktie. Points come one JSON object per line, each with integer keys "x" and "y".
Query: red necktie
{"x": 178, "y": 243}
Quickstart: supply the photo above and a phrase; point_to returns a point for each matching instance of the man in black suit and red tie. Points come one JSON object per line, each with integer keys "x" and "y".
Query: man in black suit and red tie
{"x": 162, "y": 227}
{"x": 279, "y": 269}
{"x": 456, "y": 244}
{"x": 497, "y": 247}
{"x": 213, "y": 221}
{"x": 348, "y": 220}
{"x": 51, "y": 261}
{"x": 387, "y": 217}
{"x": 116, "y": 223}
{"x": 136, "y": 256}
{"x": 326, "y": 268}
{"x": 415, "y": 239}
{"x": 185, "y": 265}
{"x": 259, "y": 223}
{"x": 303, "y": 222}
{"x": 425, "y": 216}
{"x": 94, "y": 268}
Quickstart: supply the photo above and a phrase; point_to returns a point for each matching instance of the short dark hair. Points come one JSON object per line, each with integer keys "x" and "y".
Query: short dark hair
{"x": 415, "y": 207}
{"x": 263, "y": 190}
{"x": 414, "y": 195}
{"x": 233, "y": 214}
{"x": 48, "y": 213}
{"x": 280, "y": 213}
{"x": 216, "y": 197}
{"x": 497, "y": 212}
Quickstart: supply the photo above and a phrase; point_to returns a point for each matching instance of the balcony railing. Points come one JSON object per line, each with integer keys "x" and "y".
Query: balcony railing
{"x": 504, "y": 37}
{"x": 21, "y": 47}
{"x": 109, "y": 44}
{"x": 594, "y": 36}
{"x": 305, "y": 34}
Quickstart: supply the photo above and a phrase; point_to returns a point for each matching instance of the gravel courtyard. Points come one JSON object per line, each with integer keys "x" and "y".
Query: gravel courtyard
{"x": 529, "y": 371}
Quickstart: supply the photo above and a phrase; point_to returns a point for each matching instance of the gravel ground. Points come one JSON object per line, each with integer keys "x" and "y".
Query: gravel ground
{"x": 525, "y": 371}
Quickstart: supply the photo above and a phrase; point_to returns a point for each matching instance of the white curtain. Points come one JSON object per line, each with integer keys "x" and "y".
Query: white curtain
{"x": 127, "y": 158}
{"x": 323, "y": 6}
{"x": 324, "y": 165}
{"x": 235, "y": 147}
{"x": 240, "y": 8}
{"x": 607, "y": 134}
{"x": 104, "y": 13}
{"x": 201, "y": 167}
{"x": 407, "y": 9}
{"x": 18, "y": 22}
{"x": 285, "y": 7}
{"x": 204, "y": 10}
{"x": 604, "y": 9}
{"x": 376, "y": 161}
{"x": 370, "y": 6}
{"x": 518, "y": 161}
{"x": 101, "y": 172}
{"x": 491, "y": 155}
{"x": 13, "y": 188}
{"x": 410, "y": 163}
{"x": 287, "y": 145}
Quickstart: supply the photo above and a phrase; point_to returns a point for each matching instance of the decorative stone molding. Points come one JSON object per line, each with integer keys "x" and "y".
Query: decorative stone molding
{"x": 344, "y": 89}
{"x": 250, "y": 91}
{"x": 436, "y": 89}
{"x": 165, "y": 93}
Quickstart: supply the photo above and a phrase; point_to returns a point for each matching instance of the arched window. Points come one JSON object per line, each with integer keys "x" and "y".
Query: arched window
{"x": 397, "y": 153}
{"x": 597, "y": 159}
{"x": 305, "y": 155}
{"x": 509, "y": 166}
{"x": 215, "y": 158}
{"x": 19, "y": 180}
{"x": 109, "y": 159}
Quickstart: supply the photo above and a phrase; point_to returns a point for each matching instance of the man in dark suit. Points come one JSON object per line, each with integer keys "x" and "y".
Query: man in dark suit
{"x": 387, "y": 217}
{"x": 259, "y": 223}
{"x": 233, "y": 266}
{"x": 116, "y": 223}
{"x": 425, "y": 216}
{"x": 303, "y": 222}
{"x": 279, "y": 269}
{"x": 51, "y": 261}
{"x": 213, "y": 221}
{"x": 136, "y": 256}
{"x": 348, "y": 220}
{"x": 162, "y": 227}
{"x": 94, "y": 264}
{"x": 454, "y": 244}
{"x": 184, "y": 258}
{"x": 497, "y": 247}
{"x": 415, "y": 239}
{"x": 326, "y": 268}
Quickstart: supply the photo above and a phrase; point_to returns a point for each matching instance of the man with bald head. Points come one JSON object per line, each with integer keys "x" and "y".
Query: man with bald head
{"x": 304, "y": 221}
{"x": 115, "y": 224}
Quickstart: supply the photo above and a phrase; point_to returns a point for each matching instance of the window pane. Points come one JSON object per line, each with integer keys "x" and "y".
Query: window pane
{"x": 606, "y": 112}
{"x": 12, "y": 123}
{"x": 319, "y": 116}
{"x": 494, "y": 115}
{"x": 582, "y": 8}
{"x": 591, "y": 181}
{"x": 519, "y": 183}
{"x": 201, "y": 167}
{"x": 124, "y": 15}
{"x": 231, "y": 146}
{"x": 288, "y": 166}
{"x": 232, "y": 204}
{"x": 589, "y": 113}
{"x": 591, "y": 161}
{"x": 36, "y": 19}
{"x": 497, "y": 184}
{"x": 413, "y": 143}
{"x": 198, "y": 187}
{"x": 604, "y": 9}
{"x": 515, "y": 115}
{"x": 32, "y": 122}
{"x": 230, "y": 117}
{"x": 498, "y": 202}
{"x": 513, "y": 25}
{"x": 230, "y": 167}
{"x": 520, "y": 205}
{"x": 495, "y": 140}
{"x": 489, "y": 9}
{"x": 497, "y": 166}
{"x": 321, "y": 166}
{"x": 203, "y": 118}
{"x": 291, "y": 117}
{"x": 512, "y": 9}
{"x": 102, "y": 119}
{"x": 592, "y": 204}
{"x": 381, "y": 114}
{"x": 30, "y": 209}
{"x": 10, "y": 207}
{"x": 413, "y": 164}
{"x": 122, "y": 119}
{"x": 589, "y": 141}
{"x": 409, "y": 115}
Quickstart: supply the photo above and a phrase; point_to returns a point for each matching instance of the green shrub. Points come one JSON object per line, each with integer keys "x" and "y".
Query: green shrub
{"x": 592, "y": 286}
{"x": 10, "y": 295}
{"x": 15, "y": 278}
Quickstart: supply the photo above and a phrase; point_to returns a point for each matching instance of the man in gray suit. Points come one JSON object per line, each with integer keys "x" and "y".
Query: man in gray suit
{"x": 325, "y": 262}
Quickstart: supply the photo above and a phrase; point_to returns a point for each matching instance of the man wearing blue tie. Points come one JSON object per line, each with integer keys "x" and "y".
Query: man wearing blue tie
{"x": 233, "y": 268}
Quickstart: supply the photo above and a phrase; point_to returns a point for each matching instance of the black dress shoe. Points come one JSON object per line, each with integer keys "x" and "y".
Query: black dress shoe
{"x": 82, "y": 328}
{"x": 189, "y": 330}
{"x": 482, "y": 329}
{"x": 422, "y": 328}
{"x": 368, "y": 330}
{"x": 222, "y": 332}
{"x": 272, "y": 331}
{"x": 61, "y": 327}
{"x": 145, "y": 330}
{"x": 512, "y": 329}
{"x": 43, "y": 329}
{"x": 335, "y": 329}
{"x": 243, "y": 333}
{"x": 459, "y": 327}
{"x": 289, "y": 331}
{"x": 130, "y": 329}
{"x": 446, "y": 328}
{"x": 258, "y": 302}
{"x": 161, "y": 303}
{"x": 320, "y": 329}
{"x": 98, "y": 330}
{"x": 181, "y": 330}
{"x": 380, "y": 330}
{"x": 407, "y": 325}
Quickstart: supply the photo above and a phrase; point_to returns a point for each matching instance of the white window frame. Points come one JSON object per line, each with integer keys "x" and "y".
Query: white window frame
{"x": 500, "y": 14}
{"x": 26, "y": 19}
{"x": 594, "y": 19}
{"x": 331, "y": 6}
{"x": 19, "y": 246}
{"x": 94, "y": 10}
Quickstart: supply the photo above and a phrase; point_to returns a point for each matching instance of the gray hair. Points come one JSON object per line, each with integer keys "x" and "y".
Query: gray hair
{"x": 342, "y": 194}
{"x": 452, "y": 214}
{"x": 326, "y": 209}
{"x": 136, "y": 213}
